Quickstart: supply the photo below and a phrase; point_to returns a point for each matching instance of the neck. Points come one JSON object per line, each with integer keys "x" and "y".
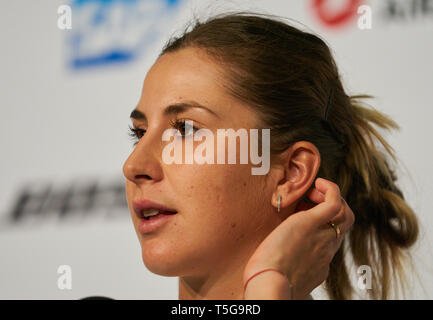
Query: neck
{"x": 224, "y": 284}
{"x": 224, "y": 280}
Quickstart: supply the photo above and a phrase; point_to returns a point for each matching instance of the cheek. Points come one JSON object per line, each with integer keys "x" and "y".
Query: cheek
{"x": 217, "y": 214}
{"x": 217, "y": 198}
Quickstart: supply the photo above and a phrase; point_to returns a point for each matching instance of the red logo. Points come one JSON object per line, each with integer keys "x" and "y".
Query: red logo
{"x": 327, "y": 16}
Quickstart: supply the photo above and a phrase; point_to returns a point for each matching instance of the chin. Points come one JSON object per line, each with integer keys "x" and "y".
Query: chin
{"x": 159, "y": 260}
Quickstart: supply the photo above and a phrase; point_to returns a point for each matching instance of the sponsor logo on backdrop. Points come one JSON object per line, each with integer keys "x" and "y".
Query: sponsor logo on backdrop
{"x": 36, "y": 203}
{"x": 335, "y": 16}
{"x": 407, "y": 10}
{"x": 107, "y": 32}
{"x": 343, "y": 14}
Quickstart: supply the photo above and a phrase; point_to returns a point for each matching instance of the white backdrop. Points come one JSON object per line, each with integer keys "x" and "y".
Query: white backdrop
{"x": 63, "y": 126}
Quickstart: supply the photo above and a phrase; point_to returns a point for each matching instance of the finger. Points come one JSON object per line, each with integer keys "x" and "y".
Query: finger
{"x": 345, "y": 218}
{"x": 330, "y": 240}
{"x": 340, "y": 218}
{"x": 342, "y": 225}
{"x": 316, "y": 196}
{"x": 330, "y": 207}
{"x": 330, "y": 234}
{"x": 336, "y": 244}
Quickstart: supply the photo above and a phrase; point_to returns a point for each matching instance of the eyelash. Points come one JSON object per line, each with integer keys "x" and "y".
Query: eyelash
{"x": 137, "y": 133}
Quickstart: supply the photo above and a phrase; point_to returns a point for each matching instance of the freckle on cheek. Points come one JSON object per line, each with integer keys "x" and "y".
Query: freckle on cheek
{"x": 233, "y": 225}
{"x": 241, "y": 236}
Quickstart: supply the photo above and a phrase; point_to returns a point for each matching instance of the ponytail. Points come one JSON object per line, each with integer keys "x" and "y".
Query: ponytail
{"x": 384, "y": 224}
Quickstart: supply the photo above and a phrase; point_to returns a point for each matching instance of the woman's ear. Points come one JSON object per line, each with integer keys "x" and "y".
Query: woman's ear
{"x": 301, "y": 164}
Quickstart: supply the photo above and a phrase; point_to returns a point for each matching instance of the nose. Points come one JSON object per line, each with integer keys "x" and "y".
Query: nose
{"x": 143, "y": 164}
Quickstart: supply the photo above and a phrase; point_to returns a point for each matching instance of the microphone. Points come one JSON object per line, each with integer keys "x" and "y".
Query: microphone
{"x": 96, "y": 298}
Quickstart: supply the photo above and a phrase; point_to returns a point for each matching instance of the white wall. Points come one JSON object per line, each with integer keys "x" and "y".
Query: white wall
{"x": 62, "y": 126}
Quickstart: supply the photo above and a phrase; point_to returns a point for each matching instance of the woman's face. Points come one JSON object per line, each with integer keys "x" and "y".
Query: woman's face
{"x": 222, "y": 208}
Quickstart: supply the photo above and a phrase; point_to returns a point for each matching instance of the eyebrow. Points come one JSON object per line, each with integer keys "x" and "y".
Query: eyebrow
{"x": 174, "y": 108}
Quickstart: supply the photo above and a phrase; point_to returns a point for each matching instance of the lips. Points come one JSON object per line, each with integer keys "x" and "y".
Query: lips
{"x": 143, "y": 206}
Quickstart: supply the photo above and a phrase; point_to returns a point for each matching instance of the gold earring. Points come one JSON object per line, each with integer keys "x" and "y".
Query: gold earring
{"x": 279, "y": 203}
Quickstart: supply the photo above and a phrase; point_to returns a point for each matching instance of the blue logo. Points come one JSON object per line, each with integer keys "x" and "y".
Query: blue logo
{"x": 115, "y": 31}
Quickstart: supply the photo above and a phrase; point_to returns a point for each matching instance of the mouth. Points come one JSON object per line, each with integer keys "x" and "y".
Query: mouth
{"x": 152, "y": 219}
{"x": 153, "y": 213}
{"x": 148, "y": 210}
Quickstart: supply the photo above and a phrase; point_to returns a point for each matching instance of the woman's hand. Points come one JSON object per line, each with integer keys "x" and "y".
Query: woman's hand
{"x": 303, "y": 245}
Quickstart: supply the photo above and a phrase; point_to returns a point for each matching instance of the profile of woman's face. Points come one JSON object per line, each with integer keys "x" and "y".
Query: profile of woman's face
{"x": 223, "y": 210}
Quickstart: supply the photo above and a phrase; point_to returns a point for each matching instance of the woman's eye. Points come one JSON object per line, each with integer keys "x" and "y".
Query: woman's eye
{"x": 136, "y": 134}
{"x": 185, "y": 127}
